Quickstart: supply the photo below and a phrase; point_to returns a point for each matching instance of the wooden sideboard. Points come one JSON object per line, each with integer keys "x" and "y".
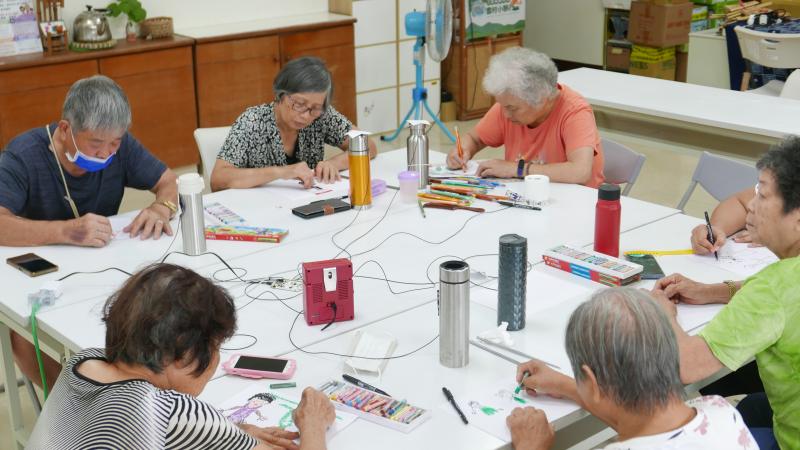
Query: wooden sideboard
{"x": 157, "y": 76}
{"x": 235, "y": 71}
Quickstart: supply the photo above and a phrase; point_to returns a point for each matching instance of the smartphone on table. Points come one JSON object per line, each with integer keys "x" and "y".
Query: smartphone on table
{"x": 651, "y": 271}
{"x": 251, "y": 366}
{"x": 32, "y": 264}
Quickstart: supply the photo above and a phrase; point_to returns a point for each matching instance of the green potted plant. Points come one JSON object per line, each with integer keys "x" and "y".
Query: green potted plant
{"x": 131, "y": 8}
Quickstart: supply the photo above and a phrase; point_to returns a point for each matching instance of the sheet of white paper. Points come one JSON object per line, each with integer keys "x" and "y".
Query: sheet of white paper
{"x": 117, "y": 224}
{"x": 741, "y": 259}
{"x": 441, "y": 170}
{"x": 293, "y": 193}
{"x": 691, "y": 317}
{"x": 488, "y": 410}
{"x": 258, "y": 405}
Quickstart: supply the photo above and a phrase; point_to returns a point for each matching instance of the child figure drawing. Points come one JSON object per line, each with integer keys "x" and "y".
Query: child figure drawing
{"x": 253, "y": 405}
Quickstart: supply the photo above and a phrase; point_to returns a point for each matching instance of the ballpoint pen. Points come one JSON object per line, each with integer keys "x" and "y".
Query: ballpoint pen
{"x": 361, "y": 384}
{"x": 711, "y": 234}
{"x": 449, "y": 396}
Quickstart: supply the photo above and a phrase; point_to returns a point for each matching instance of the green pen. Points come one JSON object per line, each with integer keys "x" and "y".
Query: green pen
{"x": 525, "y": 374}
{"x": 282, "y": 385}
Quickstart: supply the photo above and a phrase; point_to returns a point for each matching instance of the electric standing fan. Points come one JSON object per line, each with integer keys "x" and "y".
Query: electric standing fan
{"x": 434, "y": 30}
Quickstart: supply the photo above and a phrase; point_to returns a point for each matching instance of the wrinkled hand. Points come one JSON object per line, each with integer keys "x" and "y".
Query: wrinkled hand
{"x": 700, "y": 243}
{"x": 679, "y": 289}
{"x": 497, "y": 168}
{"x": 670, "y": 307}
{"x": 745, "y": 237}
{"x": 151, "y": 221}
{"x": 315, "y": 411}
{"x": 542, "y": 379}
{"x": 300, "y": 171}
{"x": 454, "y": 162}
{"x": 274, "y": 436}
{"x": 326, "y": 172}
{"x": 530, "y": 429}
{"x": 89, "y": 230}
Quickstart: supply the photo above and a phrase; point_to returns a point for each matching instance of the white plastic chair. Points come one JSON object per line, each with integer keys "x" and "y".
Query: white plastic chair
{"x": 721, "y": 177}
{"x": 780, "y": 51}
{"x": 621, "y": 164}
{"x": 209, "y": 143}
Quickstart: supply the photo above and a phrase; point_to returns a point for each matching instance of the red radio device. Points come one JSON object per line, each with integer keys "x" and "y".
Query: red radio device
{"x": 328, "y": 291}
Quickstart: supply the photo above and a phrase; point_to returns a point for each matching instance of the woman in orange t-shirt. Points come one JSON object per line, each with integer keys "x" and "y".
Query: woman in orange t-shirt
{"x": 546, "y": 127}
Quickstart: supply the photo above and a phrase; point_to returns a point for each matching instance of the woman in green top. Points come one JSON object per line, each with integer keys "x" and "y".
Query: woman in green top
{"x": 762, "y": 313}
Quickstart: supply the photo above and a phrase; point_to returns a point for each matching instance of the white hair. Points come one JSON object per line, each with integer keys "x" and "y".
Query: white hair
{"x": 524, "y": 73}
{"x": 97, "y": 103}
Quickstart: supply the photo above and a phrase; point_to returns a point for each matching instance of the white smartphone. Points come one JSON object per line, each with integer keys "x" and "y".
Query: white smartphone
{"x": 251, "y": 366}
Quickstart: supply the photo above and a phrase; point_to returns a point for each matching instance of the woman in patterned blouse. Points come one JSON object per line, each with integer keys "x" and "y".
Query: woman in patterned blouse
{"x": 285, "y": 139}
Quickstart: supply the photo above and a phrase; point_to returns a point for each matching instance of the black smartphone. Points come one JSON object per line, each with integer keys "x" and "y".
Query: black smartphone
{"x": 32, "y": 264}
{"x": 651, "y": 271}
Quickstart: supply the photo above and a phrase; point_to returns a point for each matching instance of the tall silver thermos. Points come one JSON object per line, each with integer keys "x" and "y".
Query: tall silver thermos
{"x": 417, "y": 150}
{"x": 190, "y": 191}
{"x": 454, "y": 314}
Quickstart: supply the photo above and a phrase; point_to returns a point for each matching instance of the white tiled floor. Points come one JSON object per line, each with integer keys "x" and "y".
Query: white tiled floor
{"x": 664, "y": 178}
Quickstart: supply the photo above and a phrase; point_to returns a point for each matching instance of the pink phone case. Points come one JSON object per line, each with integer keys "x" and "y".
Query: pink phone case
{"x": 288, "y": 371}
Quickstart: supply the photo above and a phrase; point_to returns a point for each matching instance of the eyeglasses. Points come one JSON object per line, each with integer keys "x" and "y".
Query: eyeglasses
{"x": 301, "y": 108}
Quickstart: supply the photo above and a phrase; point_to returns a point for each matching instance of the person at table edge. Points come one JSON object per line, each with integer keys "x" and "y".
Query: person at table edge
{"x": 285, "y": 139}
{"x": 546, "y": 127}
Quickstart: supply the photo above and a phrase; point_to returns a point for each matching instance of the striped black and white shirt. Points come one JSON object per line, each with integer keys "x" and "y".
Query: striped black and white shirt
{"x": 130, "y": 414}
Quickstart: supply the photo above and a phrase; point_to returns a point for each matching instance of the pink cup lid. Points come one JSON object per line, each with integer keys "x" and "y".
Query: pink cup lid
{"x": 408, "y": 175}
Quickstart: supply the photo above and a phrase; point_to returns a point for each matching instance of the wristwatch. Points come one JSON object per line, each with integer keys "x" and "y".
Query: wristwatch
{"x": 731, "y": 287}
{"x": 521, "y": 168}
{"x": 172, "y": 207}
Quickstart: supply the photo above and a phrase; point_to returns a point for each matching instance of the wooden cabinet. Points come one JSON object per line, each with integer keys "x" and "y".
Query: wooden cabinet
{"x": 335, "y": 47}
{"x": 234, "y": 75}
{"x": 465, "y": 66}
{"x": 157, "y": 77}
{"x": 236, "y": 71}
{"x": 160, "y": 89}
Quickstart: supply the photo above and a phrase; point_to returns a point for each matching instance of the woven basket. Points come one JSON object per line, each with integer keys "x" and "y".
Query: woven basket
{"x": 156, "y": 27}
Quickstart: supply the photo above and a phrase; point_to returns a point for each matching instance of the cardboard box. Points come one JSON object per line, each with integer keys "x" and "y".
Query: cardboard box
{"x": 618, "y": 58}
{"x": 653, "y": 62}
{"x": 659, "y": 25}
{"x": 681, "y": 66}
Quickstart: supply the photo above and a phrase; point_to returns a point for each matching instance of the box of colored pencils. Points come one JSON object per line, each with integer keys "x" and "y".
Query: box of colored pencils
{"x": 243, "y": 233}
{"x": 369, "y": 405}
{"x": 593, "y": 265}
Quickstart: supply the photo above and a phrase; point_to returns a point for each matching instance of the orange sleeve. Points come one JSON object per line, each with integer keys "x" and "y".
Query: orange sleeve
{"x": 580, "y": 130}
{"x": 491, "y": 128}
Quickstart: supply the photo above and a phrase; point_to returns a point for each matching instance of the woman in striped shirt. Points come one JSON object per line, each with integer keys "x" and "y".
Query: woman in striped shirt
{"x": 164, "y": 328}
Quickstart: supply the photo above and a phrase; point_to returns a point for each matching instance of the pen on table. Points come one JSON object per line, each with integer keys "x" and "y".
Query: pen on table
{"x": 363, "y": 385}
{"x": 452, "y": 401}
{"x": 421, "y": 209}
{"x": 525, "y": 374}
{"x": 711, "y": 234}
{"x": 518, "y": 205}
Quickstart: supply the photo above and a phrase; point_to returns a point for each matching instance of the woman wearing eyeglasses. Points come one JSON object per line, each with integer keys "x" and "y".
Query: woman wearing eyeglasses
{"x": 285, "y": 139}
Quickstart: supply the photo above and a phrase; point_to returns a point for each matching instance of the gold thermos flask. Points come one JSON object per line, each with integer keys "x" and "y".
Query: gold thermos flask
{"x": 360, "y": 182}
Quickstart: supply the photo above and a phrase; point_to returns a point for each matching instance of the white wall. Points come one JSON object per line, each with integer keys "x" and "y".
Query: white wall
{"x": 198, "y": 13}
{"x": 570, "y": 30}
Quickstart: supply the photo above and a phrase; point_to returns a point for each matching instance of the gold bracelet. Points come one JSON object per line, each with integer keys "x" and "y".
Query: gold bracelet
{"x": 173, "y": 208}
{"x": 731, "y": 287}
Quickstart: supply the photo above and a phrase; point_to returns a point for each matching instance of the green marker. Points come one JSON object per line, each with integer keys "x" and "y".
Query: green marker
{"x": 526, "y": 374}
{"x": 282, "y": 385}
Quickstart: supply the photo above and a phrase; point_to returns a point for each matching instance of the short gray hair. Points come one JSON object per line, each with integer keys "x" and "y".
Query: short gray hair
{"x": 623, "y": 335}
{"x": 524, "y": 73}
{"x": 97, "y": 103}
{"x": 306, "y": 74}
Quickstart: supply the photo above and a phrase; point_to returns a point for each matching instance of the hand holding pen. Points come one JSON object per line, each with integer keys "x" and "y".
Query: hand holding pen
{"x": 711, "y": 237}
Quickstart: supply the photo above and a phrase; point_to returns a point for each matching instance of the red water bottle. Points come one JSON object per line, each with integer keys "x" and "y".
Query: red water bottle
{"x": 606, "y": 220}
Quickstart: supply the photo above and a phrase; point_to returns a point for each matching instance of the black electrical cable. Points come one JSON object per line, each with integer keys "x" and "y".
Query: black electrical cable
{"x": 95, "y": 272}
{"x": 255, "y": 340}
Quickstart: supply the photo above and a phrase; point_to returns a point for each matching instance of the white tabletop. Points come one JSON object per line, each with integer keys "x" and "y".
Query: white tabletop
{"x": 250, "y": 26}
{"x": 732, "y": 110}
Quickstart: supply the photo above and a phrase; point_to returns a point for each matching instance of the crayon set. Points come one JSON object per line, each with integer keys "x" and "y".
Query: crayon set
{"x": 369, "y": 405}
{"x": 223, "y": 214}
{"x": 242, "y": 233}
{"x": 593, "y": 265}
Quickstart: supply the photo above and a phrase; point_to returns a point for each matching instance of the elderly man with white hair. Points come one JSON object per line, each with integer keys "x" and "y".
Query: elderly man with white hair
{"x": 625, "y": 358}
{"x": 546, "y": 127}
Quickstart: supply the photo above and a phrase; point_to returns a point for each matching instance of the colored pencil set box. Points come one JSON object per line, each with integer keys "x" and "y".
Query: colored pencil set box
{"x": 243, "y": 233}
{"x": 593, "y": 265}
{"x": 374, "y": 407}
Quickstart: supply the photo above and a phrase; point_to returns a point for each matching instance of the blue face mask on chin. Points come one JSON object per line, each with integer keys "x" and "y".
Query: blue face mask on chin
{"x": 87, "y": 163}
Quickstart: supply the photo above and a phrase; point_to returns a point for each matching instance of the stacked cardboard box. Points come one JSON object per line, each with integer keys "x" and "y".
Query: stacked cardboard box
{"x": 656, "y": 27}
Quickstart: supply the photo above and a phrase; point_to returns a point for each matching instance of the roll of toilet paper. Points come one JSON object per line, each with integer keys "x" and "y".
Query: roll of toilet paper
{"x": 537, "y": 189}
